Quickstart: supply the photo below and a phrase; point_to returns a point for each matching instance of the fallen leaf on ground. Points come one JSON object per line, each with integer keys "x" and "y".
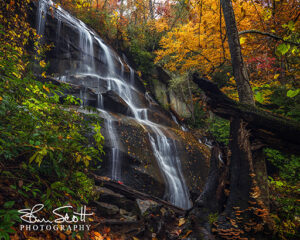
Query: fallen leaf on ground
{"x": 181, "y": 222}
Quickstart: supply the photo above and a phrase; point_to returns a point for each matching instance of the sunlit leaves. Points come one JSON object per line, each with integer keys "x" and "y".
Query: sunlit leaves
{"x": 242, "y": 40}
{"x": 43, "y": 63}
{"x": 198, "y": 43}
{"x": 290, "y": 26}
{"x": 292, "y": 93}
{"x": 38, "y": 156}
{"x": 283, "y": 48}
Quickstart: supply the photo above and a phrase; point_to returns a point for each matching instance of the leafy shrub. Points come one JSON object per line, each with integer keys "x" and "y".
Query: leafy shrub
{"x": 45, "y": 144}
{"x": 219, "y": 128}
{"x": 284, "y": 208}
{"x": 288, "y": 165}
{"x": 8, "y": 217}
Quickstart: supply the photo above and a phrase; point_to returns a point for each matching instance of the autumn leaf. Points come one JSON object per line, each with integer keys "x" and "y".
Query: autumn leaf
{"x": 187, "y": 234}
{"x": 62, "y": 236}
{"x": 242, "y": 40}
{"x": 46, "y": 88}
{"x": 43, "y": 74}
{"x": 42, "y": 63}
{"x": 276, "y": 76}
{"x": 98, "y": 236}
{"x": 181, "y": 222}
{"x": 106, "y": 230}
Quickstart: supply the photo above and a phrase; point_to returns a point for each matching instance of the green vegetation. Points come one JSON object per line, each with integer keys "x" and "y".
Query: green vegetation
{"x": 8, "y": 217}
{"x": 45, "y": 148}
{"x": 285, "y": 208}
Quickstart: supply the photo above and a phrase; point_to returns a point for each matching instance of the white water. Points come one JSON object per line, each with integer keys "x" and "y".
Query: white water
{"x": 41, "y": 17}
{"x": 164, "y": 148}
{"x": 183, "y": 128}
{"x": 107, "y": 53}
{"x": 113, "y": 138}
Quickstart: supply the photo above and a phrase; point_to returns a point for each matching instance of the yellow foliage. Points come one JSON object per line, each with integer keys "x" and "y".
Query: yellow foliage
{"x": 42, "y": 63}
{"x": 199, "y": 43}
{"x": 242, "y": 40}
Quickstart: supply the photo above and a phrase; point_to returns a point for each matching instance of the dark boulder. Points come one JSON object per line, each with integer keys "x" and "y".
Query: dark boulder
{"x": 114, "y": 103}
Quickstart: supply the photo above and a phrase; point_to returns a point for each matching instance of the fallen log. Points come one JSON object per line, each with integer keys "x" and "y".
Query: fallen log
{"x": 272, "y": 130}
{"x": 133, "y": 194}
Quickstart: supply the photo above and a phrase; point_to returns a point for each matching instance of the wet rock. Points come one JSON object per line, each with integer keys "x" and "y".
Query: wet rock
{"x": 159, "y": 223}
{"x": 166, "y": 97}
{"x": 114, "y": 103}
{"x": 144, "y": 205}
{"x": 119, "y": 200}
{"x": 105, "y": 209}
{"x": 139, "y": 166}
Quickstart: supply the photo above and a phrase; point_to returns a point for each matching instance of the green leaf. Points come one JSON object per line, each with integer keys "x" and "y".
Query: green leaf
{"x": 291, "y": 25}
{"x": 283, "y": 48}
{"x": 8, "y": 204}
{"x": 259, "y": 97}
{"x": 292, "y": 93}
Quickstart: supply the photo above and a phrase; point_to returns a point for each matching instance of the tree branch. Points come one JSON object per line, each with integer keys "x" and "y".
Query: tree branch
{"x": 269, "y": 35}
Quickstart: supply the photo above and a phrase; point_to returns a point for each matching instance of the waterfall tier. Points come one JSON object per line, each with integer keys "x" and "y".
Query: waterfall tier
{"x": 146, "y": 147}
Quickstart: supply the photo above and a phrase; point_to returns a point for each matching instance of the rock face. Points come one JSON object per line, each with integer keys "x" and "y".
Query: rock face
{"x": 114, "y": 103}
{"x": 167, "y": 97}
{"x": 145, "y": 148}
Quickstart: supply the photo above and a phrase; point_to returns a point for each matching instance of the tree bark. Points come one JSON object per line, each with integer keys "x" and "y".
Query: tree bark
{"x": 241, "y": 166}
{"x": 238, "y": 66}
{"x": 151, "y": 9}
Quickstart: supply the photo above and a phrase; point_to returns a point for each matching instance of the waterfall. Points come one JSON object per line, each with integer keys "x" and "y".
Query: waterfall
{"x": 183, "y": 128}
{"x": 130, "y": 69}
{"x": 115, "y": 163}
{"x": 41, "y": 17}
{"x": 131, "y": 75}
{"x": 109, "y": 60}
{"x": 164, "y": 148}
{"x": 122, "y": 68}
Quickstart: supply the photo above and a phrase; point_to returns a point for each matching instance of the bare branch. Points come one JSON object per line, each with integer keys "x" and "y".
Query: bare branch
{"x": 269, "y": 35}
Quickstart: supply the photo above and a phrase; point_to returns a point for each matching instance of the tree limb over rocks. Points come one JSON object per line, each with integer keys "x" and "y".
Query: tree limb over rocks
{"x": 272, "y": 130}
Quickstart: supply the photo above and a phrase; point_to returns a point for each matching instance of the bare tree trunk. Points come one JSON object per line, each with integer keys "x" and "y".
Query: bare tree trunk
{"x": 241, "y": 166}
{"x": 238, "y": 66}
{"x": 151, "y": 9}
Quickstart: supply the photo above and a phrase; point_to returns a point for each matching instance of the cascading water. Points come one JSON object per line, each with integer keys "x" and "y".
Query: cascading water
{"x": 115, "y": 163}
{"x": 130, "y": 69}
{"x": 41, "y": 17}
{"x": 164, "y": 148}
{"x": 109, "y": 60}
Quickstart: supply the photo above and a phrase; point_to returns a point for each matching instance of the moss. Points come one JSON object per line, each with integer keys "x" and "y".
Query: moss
{"x": 268, "y": 115}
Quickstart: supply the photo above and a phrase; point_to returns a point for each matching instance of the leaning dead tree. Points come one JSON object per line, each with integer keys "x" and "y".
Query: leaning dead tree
{"x": 267, "y": 128}
{"x": 235, "y": 188}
